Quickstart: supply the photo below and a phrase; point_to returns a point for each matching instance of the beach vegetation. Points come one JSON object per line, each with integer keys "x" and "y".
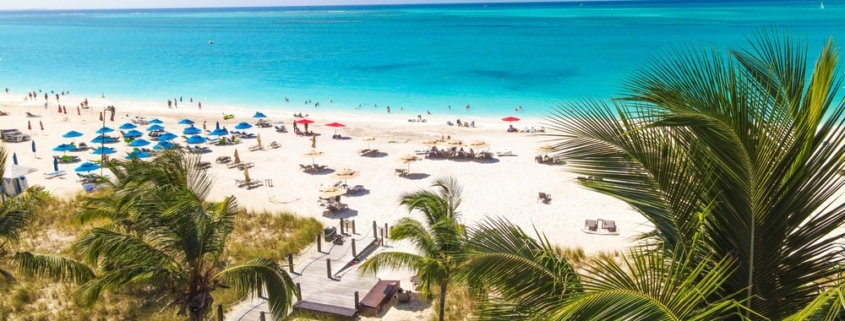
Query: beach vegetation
{"x": 440, "y": 239}
{"x": 733, "y": 157}
{"x": 16, "y": 215}
{"x": 157, "y": 232}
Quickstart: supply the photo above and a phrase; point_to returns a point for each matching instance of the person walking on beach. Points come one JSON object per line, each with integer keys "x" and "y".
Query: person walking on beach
{"x": 45, "y": 96}
{"x": 169, "y": 104}
{"x": 175, "y": 103}
{"x": 203, "y": 125}
{"x": 200, "y": 105}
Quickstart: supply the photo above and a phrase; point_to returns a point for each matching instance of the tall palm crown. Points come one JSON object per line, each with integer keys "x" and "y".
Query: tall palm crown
{"x": 16, "y": 214}
{"x": 734, "y": 153}
{"x": 439, "y": 239}
{"x": 162, "y": 233}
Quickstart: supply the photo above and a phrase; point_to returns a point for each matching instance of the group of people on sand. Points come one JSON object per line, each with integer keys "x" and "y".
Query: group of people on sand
{"x": 175, "y": 102}
{"x": 466, "y": 124}
{"x": 531, "y": 130}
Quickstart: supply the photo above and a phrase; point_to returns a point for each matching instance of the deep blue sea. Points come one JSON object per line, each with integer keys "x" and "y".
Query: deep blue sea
{"x": 494, "y": 57}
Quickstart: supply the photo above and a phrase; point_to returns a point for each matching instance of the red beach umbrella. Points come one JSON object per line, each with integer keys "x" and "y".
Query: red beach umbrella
{"x": 60, "y": 109}
{"x": 304, "y": 121}
{"x": 510, "y": 119}
{"x": 64, "y": 109}
{"x": 28, "y": 125}
{"x": 335, "y": 125}
{"x": 42, "y": 125}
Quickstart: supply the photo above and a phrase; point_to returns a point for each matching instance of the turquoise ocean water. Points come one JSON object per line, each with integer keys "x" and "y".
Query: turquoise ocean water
{"x": 417, "y": 57}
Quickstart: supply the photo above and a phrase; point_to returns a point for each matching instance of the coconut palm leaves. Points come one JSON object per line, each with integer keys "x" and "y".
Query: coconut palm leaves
{"x": 163, "y": 233}
{"x": 439, "y": 239}
{"x": 16, "y": 214}
{"x": 735, "y": 153}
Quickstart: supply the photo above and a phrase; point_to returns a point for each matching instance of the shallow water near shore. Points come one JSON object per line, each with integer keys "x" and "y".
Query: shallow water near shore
{"x": 415, "y": 58}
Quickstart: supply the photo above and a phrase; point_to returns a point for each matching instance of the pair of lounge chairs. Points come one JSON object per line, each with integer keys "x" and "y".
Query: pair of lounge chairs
{"x": 335, "y": 207}
{"x": 242, "y": 165}
{"x": 401, "y": 172}
{"x": 275, "y": 145}
{"x": 253, "y": 183}
{"x": 507, "y": 153}
{"x": 313, "y": 168}
{"x": 601, "y": 227}
{"x": 355, "y": 190}
{"x": 203, "y": 165}
{"x": 256, "y": 148}
{"x": 66, "y": 159}
{"x": 367, "y": 152}
{"x": 224, "y": 159}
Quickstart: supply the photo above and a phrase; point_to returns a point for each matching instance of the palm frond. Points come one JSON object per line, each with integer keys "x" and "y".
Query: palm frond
{"x": 53, "y": 267}
{"x": 258, "y": 273}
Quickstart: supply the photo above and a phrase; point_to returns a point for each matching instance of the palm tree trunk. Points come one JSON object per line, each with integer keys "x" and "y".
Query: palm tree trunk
{"x": 443, "y": 286}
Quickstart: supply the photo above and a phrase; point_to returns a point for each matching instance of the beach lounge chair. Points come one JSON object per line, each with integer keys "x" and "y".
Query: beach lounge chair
{"x": 203, "y": 165}
{"x": 609, "y": 225}
{"x": 422, "y": 151}
{"x": 256, "y": 148}
{"x": 591, "y": 225}
{"x": 355, "y": 190}
{"x": 31, "y": 115}
{"x": 55, "y": 174}
{"x": 320, "y": 168}
{"x": 281, "y": 129}
{"x": 275, "y": 145}
{"x": 306, "y": 168}
{"x": 223, "y": 159}
{"x": 507, "y": 153}
{"x": 363, "y": 151}
{"x": 3, "y": 113}
{"x": 546, "y": 198}
{"x": 254, "y": 184}
{"x": 233, "y": 165}
{"x": 401, "y": 171}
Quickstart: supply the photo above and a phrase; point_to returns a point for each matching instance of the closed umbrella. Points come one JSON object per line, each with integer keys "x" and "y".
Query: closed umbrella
{"x": 246, "y": 174}
{"x": 41, "y": 124}
{"x": 258, "y": 138}
{"x": 78, "y": 111}
{"x": 127, "y": 126}
{"x": 64, "y": 109}
{"x": 55, "y": 164}
{"x": 87, "y": 167}
{"x": 14, "y": 158}
{"x": 237, "y": 157}
{"x": 33, "y": 147}
{"x": 314, "y": 142}
{"x": 28, "y": 125}
{"x": 101, "y": 116}
{"x": 140, "y": 142}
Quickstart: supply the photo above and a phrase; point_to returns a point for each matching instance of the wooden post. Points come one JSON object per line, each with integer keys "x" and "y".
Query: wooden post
{"x": 290, "y": 263}
{"x": 219, "y": 312}
{"x": 354, "y": 253}
{"x": 381, "y": 240}
{"x": 261, "y": 316}
{"x": 319, "y": 243}
{"x": 329, "y": 268}
{"x": 375, "y": 231}
{"x": 356, "y": 300}
{"x": 386, "y": 232}
{"x": 298, "y": 291}
{"x": 341, "y": 226}
{"x": 353, "y": 227}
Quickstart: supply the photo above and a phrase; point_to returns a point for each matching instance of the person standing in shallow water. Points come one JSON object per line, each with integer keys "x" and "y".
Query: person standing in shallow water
{"x": 199, "y": 104}
{"x": 169, "y": 104}
{"x": 388, "y": 109}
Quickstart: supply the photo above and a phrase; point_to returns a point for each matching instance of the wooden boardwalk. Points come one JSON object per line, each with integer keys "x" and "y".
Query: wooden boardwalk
{"x": 311, "y": 274}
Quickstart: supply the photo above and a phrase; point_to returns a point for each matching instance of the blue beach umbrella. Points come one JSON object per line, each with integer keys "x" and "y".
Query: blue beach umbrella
{"x": 167, "y": 136}
{"x": 14, "y": 158}
{"x": 87, "y": 167}
{"x": 196, "y": 139}
{"x": 163, "y": 145}
{"x": 64, "y": 148}
{"x": 140, "y": 142}
{"x": 191, "y": 131}
{"x": 127, "y": 126}
{"x": 186, "y": 122}
{"x": 243, "y": 125}
{"x": 155, "y": 121}
{"x": 137, "y": 154}
{"x": 155, "y": 127}
{"x": 55, "y": 164}
{"x": 259, "y": 114}
{"x": 133, "y": 134}
{"x": 104, "y": 151}
{"x": 102, "y": 140}
{"x": 104, "y": 130}
{"x": 72, "y": 134}
{"x": 219, "y": 132}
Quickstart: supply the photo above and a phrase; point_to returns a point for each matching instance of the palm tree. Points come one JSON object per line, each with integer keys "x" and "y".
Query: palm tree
{"x": 745, "y": 146}
{"x": 440, "y": 239}
{"x": 162, "y": 233}
{"x": 16, "y": 214}
{"x": 529, "y": 280}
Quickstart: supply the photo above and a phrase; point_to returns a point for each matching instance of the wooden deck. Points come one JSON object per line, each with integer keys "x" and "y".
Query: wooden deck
{"x": 316, "y": 286}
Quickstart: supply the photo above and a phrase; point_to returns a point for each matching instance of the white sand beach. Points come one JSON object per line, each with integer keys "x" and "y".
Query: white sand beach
{"x": 507, "y": 186}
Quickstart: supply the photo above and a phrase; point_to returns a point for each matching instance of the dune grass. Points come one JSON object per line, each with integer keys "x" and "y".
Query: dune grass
{"x": 271, "y": 235}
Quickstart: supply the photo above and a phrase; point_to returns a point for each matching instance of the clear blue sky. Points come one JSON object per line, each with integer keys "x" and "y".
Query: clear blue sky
{"x": 112, "y": 4}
